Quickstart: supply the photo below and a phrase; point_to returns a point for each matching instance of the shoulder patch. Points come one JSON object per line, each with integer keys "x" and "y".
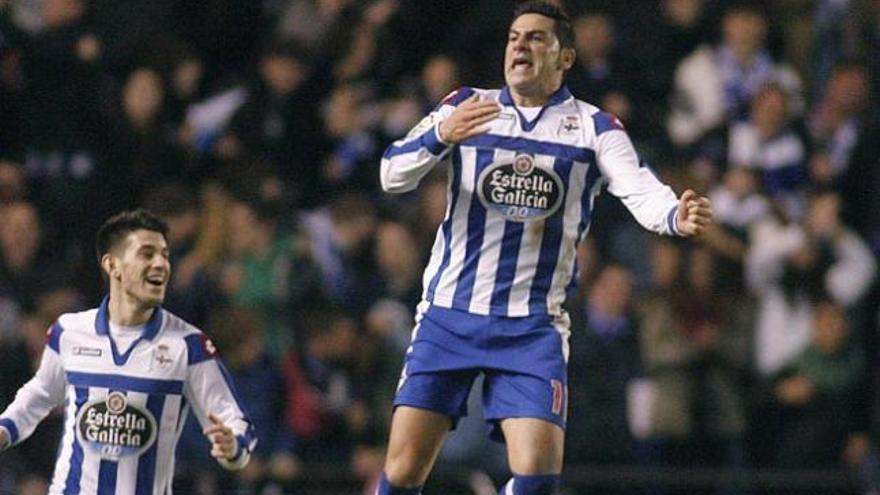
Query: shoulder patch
{"x": 605, "y": 121}
{"x": 199, "y": 348}
{"x": 456, "y": 97}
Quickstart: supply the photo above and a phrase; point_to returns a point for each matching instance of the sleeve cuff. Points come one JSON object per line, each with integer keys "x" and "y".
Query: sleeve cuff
{"x": 241, "y": 457}
{"x": 671, "y": 223}
{"x": 433, "y": 143}
{"x": 10, "y": 428}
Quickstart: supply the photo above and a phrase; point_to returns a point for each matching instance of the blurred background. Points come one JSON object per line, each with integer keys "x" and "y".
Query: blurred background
{"x": 743, "y": 363}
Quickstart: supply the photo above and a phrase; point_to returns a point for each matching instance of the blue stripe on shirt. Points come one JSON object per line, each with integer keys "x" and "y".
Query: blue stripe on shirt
{"x": 53, "y": 339}
{"x": 593, "y": 176}
{"x": 127, "y": 383}
{"x": 458, "y": 96}
{"x": 671, "y": 224}
{"x": 107, "y": 477}
{"x": 507, "y": 259}
{"x": 476, "y": 228}
{"x": 197, "y": 349}
{"x": 447, "y": 224}
{"x": 427, "y": 140}
{"x": 606, "y": 122}
{"x": 250, "y": 435}
{"x": 523, "y": 145}
{"x": 74, "y": 475}
{"x": 551, "y": 243}
{"x": 146, "y": 471}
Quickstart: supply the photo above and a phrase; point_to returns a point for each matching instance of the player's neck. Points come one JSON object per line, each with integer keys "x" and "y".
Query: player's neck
{"x": 534, "y": 97}
{"x": 126, "y": 312}
{"x": 526, "y": 101}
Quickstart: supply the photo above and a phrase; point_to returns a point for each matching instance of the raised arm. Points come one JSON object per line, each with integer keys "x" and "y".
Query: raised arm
{"x": 460, "y": 116}
{"x": 652, "y": 203}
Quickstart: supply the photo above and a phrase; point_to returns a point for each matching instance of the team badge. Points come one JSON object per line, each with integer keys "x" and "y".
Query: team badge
{"x": 521, "y": 191}
{"x": 570, "y": 123}
{"x": 115, "y": 403}
{"x": 162, "y": 357}
{"x": 523, "y": 165}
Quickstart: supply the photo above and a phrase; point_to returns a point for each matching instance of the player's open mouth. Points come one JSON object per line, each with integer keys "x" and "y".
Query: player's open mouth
{"x": 521, "y": 62}
{"x": 156, "y": 280}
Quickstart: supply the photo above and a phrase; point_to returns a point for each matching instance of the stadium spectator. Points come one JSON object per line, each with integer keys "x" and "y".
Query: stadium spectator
{"x": 604, "y": 359}
{"x": 268, "y": 267}
{"x": 790, "y": 265}
{"x": 340, "y": 242}
{"x": 817, "y": 391}
{"x": 600, "y": 75}
{"x": 25, "y": 266}
{"x": 767, "y": 143}
{"x": 716, "y": 83}
{"x": 276, "y": 123}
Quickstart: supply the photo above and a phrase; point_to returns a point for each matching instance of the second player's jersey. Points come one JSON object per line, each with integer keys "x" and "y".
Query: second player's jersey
{"x": 124, "y": 409}
{"x": 519, "y": 199}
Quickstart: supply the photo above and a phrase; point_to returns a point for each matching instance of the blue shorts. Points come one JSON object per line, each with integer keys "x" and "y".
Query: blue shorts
{"x": 523, "y": 360}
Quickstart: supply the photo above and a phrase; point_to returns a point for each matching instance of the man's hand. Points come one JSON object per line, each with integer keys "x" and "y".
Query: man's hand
{"x": 468, "y": 120}
{"x": 694, "y": 213}
{"x": 4, "y": 438}
{"x": 223, "y": 444}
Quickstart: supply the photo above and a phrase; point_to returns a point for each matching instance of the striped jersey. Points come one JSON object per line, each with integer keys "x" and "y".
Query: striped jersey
{"x": 124, "y": 411}
{"x": 519, "y": 199}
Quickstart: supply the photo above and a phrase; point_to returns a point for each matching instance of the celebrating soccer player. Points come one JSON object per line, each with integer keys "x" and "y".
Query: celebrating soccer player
{"x": 127, "y": 374}
{"x": 524, "y": 164}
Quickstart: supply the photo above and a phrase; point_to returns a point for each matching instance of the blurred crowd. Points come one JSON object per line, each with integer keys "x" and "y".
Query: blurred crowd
{"x": 255, "y": 129}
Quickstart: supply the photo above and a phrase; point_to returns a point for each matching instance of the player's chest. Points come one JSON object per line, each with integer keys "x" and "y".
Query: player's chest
{"x": 160, "y": 359}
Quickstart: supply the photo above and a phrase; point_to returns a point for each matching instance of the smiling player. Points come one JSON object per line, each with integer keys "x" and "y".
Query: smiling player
{"x": 127, "y": 374}
{"x": 524, "y": 164}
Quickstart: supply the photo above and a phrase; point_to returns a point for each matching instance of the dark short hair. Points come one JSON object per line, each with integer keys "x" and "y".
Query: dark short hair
{"x": 562, "y": 26}
{"x": 117, "y": 228}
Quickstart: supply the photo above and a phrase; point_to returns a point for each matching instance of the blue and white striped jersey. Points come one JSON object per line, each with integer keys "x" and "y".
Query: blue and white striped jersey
{"x": 519, "y": 199}
{"x": 124, "y": 411}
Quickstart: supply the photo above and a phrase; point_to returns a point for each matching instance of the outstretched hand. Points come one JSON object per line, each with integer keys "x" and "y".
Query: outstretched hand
{"x": 468, "y": 119}
{"x": 694, "y": 213}
{"x": 222, "y": 439}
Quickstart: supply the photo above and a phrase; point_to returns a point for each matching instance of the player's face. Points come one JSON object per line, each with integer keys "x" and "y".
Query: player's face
{"x": 142, "y": 271}
{"x": 534, "y": 61}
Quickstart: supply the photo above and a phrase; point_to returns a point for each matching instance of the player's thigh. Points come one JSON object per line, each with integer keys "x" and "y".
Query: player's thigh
{"x": 534, "y": 446}
{"x": 416, "y": 437}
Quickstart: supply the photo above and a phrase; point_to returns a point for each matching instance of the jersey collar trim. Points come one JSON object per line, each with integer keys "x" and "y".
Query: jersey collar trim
{"x": 560, "y": 96}
{"x": 102, "y": 326}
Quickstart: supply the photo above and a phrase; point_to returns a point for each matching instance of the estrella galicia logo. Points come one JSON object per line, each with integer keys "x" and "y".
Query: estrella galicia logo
{"x": 114, "y": 428}
{"x": 521, "y": 191}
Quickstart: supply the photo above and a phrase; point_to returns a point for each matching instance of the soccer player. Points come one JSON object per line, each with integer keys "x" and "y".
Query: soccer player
{"x": 524, "y": 163}
{"x": 127, "y": 374}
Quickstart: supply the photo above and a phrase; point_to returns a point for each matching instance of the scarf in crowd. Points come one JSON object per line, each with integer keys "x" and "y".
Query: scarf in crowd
{"x": 741, "y": 83}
